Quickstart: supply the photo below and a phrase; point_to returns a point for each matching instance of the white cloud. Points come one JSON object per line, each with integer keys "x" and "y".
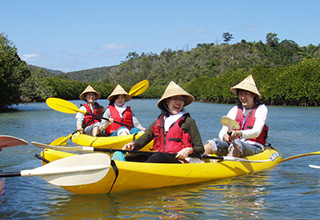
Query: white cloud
{"x": 251, "y": 27}
{"x": 30, "y": 57}
{"x": 115, "y": 46}
{"x": 317, "y": 31}
{"x": 187, "y": 30}
{"x": 202, "y": 30}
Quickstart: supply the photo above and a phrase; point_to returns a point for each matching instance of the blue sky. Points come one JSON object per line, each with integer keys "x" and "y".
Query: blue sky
{"x": 70, "y": 35}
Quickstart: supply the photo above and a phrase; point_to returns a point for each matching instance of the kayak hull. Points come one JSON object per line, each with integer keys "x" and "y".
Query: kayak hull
{"x": 114, "y": 142}
{"x": 136, "y": 175}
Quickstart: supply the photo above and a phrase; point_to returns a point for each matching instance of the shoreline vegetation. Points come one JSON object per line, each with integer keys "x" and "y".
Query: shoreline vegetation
{"x": 285, "y": 73}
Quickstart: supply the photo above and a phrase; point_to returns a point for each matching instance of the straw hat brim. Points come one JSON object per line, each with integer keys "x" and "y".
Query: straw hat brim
{"x": 82, "y": 96}
{"x": 247, "y": 84}
{"x": 174, "y": 90}
{"x": 119, "y": 91}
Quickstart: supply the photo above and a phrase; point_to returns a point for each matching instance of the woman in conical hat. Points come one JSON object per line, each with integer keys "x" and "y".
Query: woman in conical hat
{"x": 173, "y": 132}
{"x": 119, "y": 111}
{"x": 251, "y": 115}
{"x": 88, "y": 124}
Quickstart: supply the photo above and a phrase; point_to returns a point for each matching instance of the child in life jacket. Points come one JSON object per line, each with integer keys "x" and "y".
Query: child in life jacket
{"x": 86, "y": 123}
{"x": 119, "y": 111}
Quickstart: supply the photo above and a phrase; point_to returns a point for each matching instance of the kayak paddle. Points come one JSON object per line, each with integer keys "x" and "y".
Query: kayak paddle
{"x": 9, "y": 141}
{"x": 70, "y": 171}
{"x": 110, "y": 150}
{"x": 314, "y": 166}
{"x": 300, "y": 155}
{"x": 230, "y": 123}
{"x": 137, "y": 89}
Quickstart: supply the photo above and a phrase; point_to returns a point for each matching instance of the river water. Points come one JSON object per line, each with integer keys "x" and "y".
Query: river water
{"x": 290, "y": 190}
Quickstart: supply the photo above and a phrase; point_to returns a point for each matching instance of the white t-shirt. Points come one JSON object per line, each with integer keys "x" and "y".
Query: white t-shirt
{"x": 261, "y": 119}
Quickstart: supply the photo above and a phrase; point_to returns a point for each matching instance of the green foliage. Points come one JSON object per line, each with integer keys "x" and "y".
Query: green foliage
{"x": 13, "y": 71}
{"x": 227, "y": 37}
{"x": 36, "y": 87}
{"x": 285, "y": 73}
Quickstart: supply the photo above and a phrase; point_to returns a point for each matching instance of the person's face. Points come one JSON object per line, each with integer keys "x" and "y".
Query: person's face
{"x": 120, "y": 100}
{"x": 246, "y": 98}
{"x": 90, "y": 97}
{"x": 175, "y": 104}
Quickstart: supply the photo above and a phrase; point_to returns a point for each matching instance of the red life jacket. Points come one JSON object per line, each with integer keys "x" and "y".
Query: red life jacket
{"x": 89, "y": 119}
{"x": 249, "y": 123}
{"x": 127, "y": 119}
{"x": 174, "y": 140}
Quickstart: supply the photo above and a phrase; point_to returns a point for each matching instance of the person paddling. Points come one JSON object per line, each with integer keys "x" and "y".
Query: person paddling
{"x": 88, "y": 124}
{"x": 119, "y": 111}
{"x": 251, "y": 115}
{"x": 173, "y": 132}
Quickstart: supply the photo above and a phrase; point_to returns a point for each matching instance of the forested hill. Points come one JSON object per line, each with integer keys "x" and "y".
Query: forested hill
{"x": 207, "y": 59}
{"x": 285, "y": 73}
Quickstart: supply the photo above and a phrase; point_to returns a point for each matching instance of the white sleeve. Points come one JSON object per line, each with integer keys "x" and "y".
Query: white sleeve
{"x": 231, "y": 114}
{"x": 80, "y": 116}
{"x": 261, "y": 119}
{"x": 106, "y": 114}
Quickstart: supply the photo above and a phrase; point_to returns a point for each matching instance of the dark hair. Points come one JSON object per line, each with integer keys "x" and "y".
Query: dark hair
{"x": 257, "y": 100}
{"x": 164, "y": 108}
{"x": 111, "y": 102}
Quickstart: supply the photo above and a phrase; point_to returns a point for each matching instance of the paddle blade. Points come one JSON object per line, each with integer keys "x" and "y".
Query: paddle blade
{"x": 73, "y": 171}
{"x": 61, "y": 140}
{"x": 62, "y": 105}
{"x": 314, "y": 166}
{"x": 9, "y": 141}
{"x": 139, "y": 88}
{"x": 230, "y": 123}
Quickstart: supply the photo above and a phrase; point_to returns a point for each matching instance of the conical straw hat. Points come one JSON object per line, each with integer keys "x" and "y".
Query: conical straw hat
{"x": 247, "y": 84}
{"x": 119, "y": 91}
{"x": 174, "y": 90}
{"x": 89, "y": 89}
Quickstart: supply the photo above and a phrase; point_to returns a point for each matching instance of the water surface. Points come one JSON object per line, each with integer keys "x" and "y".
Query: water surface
{"x": 287, "y": 191}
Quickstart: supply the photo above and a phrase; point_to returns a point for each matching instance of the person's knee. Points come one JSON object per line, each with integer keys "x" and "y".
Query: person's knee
{"x": 239, "y": 144}
{"x": 210, "y": 147}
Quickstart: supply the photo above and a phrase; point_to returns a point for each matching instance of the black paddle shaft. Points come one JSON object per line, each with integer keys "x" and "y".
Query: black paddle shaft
{"x": 150, "y": 152}
{"x": 100, "y": 117}
{"x": 5, "y": 174}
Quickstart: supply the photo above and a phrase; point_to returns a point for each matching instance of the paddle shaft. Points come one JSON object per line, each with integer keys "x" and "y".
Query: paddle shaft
{"x": 101, "y": 117}
{"x": 110, "y": 150}
{"x": 150, "y": 153}
{"x": 300, "y": 155}
{"x": 7, "y": 174}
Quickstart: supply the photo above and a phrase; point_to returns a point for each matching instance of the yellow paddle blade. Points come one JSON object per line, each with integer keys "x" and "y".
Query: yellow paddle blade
{"x": 229, "y": 122}
{"x": 62, "y": 105}
{"x": 139, "y": 88}
{"x": 61, "y": 140}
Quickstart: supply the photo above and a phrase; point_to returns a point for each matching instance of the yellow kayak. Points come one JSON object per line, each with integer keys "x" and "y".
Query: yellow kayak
{"x": 114, "y": 142}
{"x": 125, "y": 175}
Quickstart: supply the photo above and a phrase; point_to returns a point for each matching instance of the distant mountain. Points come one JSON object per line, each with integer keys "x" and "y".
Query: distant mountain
{"x": 49, "y": 71}
{"x": 90, "y": 75}
{"x": 94, "y": 75}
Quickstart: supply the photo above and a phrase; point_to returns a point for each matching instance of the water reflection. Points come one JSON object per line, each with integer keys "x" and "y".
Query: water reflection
{"x": 242, "y": 197}
{"x": 290, "y": 190}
